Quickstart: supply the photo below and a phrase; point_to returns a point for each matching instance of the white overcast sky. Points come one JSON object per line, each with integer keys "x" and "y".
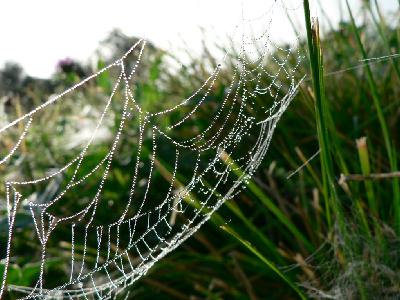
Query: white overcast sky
{"x": 38, "y": 33}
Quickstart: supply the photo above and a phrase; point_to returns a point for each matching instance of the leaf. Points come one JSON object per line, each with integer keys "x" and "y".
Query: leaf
{"x": 103, "y": 79}
{"x": 155, "y": 68}
{"x": 30, "y": 273}
{"x": 22, "y": 220}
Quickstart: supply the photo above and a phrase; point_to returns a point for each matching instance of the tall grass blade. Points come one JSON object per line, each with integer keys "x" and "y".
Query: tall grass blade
{"x": 269, "y": 204}
{"x": 267, "y": 262}
{"x": 366, "y": 171}
{"x": 382, "y": 31}
{"x": 216, "y": 218}
{"x": 391, "y": 153}
{"x": 322, "y": 118}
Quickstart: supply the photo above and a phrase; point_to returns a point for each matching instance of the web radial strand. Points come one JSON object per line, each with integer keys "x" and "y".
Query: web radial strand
{"x": 141, "y": 182}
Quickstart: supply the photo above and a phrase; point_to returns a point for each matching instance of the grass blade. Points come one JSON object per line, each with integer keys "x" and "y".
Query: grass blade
{"x": 269, "y": 204}
{"x": 268, "y": 263}
{"x": 384, "y": 128}
{"x": 322, "y": 118}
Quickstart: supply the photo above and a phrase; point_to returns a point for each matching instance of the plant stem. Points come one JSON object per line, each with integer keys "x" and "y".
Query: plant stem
{"x": 322, "y": 117}
{"x": 391, "y": 153}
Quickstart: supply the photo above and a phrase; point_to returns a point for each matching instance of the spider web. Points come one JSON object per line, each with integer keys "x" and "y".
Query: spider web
{"x": 104, "y": 257}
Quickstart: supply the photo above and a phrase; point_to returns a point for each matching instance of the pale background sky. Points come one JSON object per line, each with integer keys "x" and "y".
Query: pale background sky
{"x": 38, "y": 33}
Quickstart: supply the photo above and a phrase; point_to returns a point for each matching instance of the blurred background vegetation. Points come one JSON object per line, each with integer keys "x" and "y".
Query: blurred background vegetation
{"x": 354, "y": 255}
